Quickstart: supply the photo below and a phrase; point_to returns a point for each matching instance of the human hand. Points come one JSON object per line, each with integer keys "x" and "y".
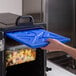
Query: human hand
{"x": 54, "y": 45}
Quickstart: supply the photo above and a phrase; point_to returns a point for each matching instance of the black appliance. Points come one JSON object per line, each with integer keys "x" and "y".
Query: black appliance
{"x": 32, "y": 68}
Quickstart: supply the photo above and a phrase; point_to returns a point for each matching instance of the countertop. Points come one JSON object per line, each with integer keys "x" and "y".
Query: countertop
{"x": 57, "y": 70}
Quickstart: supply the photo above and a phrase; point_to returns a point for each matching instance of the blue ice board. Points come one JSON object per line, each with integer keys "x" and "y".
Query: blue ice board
{"x": 35, "y": 38}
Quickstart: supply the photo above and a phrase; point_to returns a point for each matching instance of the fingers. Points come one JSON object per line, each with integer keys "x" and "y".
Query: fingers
{"x": 53, "y": 40}
{"x": 49, "y": 40}
{"x": 44, "y": 48}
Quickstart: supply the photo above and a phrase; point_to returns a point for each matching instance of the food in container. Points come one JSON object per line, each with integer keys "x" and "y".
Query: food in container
{"x": 19, "y": 55}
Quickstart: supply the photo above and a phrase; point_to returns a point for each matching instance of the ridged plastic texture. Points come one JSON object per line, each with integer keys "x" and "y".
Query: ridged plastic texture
{"x": 36, "y": 38}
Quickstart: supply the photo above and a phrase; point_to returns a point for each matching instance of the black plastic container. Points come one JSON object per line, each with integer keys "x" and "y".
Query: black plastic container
{"x": 32, "y": 68}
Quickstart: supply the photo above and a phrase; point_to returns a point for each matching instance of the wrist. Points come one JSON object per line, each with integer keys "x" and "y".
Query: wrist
{"x": 67, "y": 49}
{"x": 64, "y": 48}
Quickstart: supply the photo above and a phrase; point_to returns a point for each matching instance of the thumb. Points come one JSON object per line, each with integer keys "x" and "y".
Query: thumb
{"x": 52, "y": 40}
{"x": 49, "y": 40}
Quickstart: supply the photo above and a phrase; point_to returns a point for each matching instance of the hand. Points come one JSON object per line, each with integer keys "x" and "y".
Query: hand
{"x": 54, "y": 45}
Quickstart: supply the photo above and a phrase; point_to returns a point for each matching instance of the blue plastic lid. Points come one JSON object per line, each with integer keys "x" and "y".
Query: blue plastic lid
{"x": 36, "y": 38}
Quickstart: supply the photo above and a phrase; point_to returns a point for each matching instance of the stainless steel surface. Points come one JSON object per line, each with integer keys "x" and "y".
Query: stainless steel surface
{"x": 1, "y": 45}
{"x": 59, "y": 16}
{"x": 63, "y": 60}
{"x": 33, "y": 8}
{"x": 57, "y": 70}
